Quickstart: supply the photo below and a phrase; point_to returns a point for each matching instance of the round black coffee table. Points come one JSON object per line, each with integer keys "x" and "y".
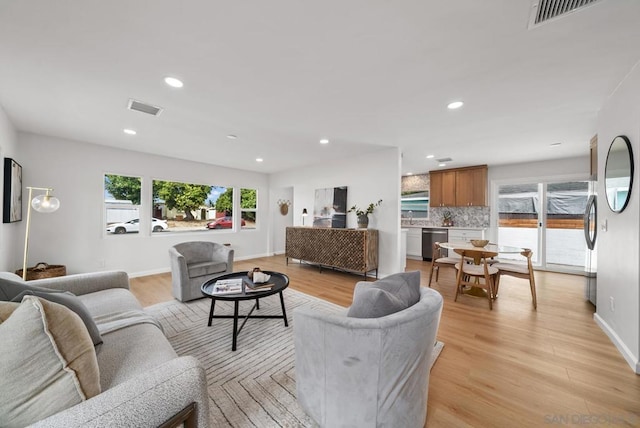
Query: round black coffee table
{"x": 280, "y": 281}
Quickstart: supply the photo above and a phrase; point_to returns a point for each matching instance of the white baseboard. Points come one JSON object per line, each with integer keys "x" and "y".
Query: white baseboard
{"x": 631, "y": 359}
{"x": 253, "y": 256}
{"x": 149, "y": 272}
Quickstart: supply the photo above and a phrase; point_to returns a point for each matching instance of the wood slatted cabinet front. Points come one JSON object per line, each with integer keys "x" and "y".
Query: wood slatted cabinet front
{"x": 349, "y": 249}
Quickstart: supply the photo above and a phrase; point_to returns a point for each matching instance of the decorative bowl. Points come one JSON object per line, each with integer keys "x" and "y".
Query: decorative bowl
{"x": 479, "y": 242}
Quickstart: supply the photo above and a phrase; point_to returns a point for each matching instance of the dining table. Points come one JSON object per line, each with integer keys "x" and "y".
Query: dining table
{"x": 495, "y": 248}
{"x": 490, "y": 247}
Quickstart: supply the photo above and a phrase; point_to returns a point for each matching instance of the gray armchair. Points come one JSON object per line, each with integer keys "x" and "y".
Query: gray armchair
{"x": 193, "y": 263}
{"x": 366, "y": 372}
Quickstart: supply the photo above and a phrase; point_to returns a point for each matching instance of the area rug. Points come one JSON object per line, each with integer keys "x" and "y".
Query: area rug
{"x": 255, "y": 385}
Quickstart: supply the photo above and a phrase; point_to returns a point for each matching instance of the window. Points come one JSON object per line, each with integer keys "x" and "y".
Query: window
{"x": 191, "y": 207}
{"x": 414, "y": 204}
{"x": 122, "y": 203}
{"x": 248, "y": 207}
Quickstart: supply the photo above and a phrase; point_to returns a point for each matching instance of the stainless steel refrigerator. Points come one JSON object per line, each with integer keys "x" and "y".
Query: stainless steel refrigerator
{"x": 590, "y": 235}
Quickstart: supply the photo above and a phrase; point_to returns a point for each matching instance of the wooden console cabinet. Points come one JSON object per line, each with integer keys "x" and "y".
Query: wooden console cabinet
{"x": 349, "y": 249}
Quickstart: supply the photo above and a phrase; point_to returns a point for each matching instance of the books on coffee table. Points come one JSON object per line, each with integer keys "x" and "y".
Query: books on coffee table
{"x": 252, "y": 287}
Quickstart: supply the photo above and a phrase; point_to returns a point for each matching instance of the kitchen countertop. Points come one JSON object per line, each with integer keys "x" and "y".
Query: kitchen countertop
{"x": 418, "y": 226}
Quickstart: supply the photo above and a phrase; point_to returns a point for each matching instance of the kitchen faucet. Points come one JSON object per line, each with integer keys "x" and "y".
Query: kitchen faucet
{"x": 410, "y": 217}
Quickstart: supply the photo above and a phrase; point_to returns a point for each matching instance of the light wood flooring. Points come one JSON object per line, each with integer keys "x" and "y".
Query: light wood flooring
{"x": 510, "y": 367}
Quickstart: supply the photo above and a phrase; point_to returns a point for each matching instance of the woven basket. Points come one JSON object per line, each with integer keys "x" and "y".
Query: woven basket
{"x": 43, "y": 270}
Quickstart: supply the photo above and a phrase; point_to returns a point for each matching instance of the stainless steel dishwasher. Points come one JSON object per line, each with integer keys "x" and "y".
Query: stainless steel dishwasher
{"x": 429, "y": 236}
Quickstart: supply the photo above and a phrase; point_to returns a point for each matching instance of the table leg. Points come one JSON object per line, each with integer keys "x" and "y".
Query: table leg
{"x": 284, "y": 312}
{"x": 213, "y": 304}
{"x": 235, "y": 325}
{"x": 258, "y": 304}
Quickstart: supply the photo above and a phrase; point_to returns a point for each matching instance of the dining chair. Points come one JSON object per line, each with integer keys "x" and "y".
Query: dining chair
{"x": 471, "y": 274}
{"x": 438, "y": 261}
{"x": 519, "y": 270}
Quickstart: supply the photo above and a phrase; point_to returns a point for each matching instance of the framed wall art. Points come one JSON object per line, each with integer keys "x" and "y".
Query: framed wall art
{"x": 12, "y": 198}
{"x": 330, "y": 207}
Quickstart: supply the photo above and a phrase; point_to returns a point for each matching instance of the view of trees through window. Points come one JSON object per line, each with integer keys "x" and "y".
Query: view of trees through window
{"x": 122, "y": 203}
{"x": 188, "y": 206}
{"x": 176, "y": 206}
{"x": 248, "y": 207}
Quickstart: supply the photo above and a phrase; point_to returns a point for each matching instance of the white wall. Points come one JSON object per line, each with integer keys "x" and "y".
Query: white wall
{"x": 368, "y": 178}
{"x": 618, "y": 246}
{"x": 280, "y": 222}
{"x": 74, "y": 235}
{"x": 10, "y": 233}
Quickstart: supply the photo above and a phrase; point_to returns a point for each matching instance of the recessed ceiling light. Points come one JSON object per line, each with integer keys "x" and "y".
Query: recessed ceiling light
{"x": 232, "y": 137}
{"x": 454, "y": 105}
{"x": 430, "y": 156}
{"x": 259, "y": 159}
{"x": 129, "y": 131}
{"x": 409, "y": 173}
{"x": 555, "y": 144}
{"x": 324, "y": 141}
{"x": 173, "y": 82}
{"x": 442, "y": 164}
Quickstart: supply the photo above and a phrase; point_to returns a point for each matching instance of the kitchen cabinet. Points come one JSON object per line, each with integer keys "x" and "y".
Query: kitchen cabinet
{"x": 414, "y": 242}
{"x": 442, "y": 192}
{"x": 593, "y": 153}
{"x": 403, "y": 248}
{"x": 463, "y": 235}
{"x": 461, "y": 187}
{"x": 471, "y": 187}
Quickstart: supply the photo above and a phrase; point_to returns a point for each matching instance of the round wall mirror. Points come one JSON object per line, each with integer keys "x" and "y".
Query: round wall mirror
{"x": 618, "y": 173}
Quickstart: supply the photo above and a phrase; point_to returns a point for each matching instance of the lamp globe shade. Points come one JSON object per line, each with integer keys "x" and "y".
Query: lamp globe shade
{"x": 45, "y": 203}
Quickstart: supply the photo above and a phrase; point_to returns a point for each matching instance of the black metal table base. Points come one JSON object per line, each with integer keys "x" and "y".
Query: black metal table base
{"x": 235, "y": 316}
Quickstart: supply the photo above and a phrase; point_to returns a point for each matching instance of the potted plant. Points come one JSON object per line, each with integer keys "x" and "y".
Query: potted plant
{"x": 447, "y": 219}
{"x": 363, "y": 214}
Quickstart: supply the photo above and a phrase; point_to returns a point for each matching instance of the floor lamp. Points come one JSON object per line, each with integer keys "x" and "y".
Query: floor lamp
{"x": 43, "y": 204}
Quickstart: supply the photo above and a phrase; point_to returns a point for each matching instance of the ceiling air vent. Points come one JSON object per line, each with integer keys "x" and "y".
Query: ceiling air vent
{"x": 144, "y": 108}
{"x": 545, "y": 10}
{"x": 444, "y": 160}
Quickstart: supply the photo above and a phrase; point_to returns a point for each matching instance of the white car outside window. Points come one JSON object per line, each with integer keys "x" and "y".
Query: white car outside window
{"x": 133, "y": 226}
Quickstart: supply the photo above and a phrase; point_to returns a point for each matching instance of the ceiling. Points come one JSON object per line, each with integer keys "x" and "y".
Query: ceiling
{"x": 282, "y": 74}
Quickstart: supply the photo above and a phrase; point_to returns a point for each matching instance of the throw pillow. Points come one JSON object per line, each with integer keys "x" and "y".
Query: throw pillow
{"x": 48, "y": 362}
{"x": 370, "y": 302}
{"x": 385, "y": 296}
{"x": 6, "y": 309}
{"x": 404, "y": 285}
{"x": 72, "y": 302}
{"x": 11, "y": 285}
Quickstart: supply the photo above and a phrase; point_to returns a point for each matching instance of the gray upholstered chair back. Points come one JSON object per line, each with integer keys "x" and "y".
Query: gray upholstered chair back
{"x": 366, "y": 372}
{"x": 193, "y": 263}
{"x": 197, "y": 251}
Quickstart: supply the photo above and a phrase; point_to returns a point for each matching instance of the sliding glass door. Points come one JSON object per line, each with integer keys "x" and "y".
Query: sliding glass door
{"x": 519, "y": 216}
{"x": 548, "y": 219}
{"x": 564, "y": 232}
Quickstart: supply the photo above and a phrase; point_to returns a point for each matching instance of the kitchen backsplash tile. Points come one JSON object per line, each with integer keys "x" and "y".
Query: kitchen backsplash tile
{"x": 415, "y": 183}
{"x": 462, "y": 217}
